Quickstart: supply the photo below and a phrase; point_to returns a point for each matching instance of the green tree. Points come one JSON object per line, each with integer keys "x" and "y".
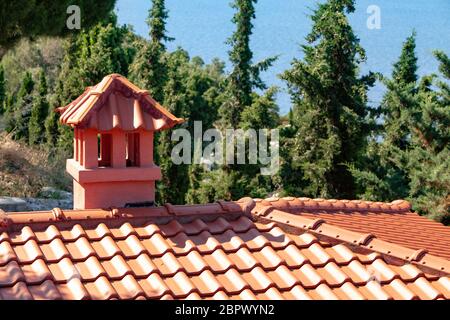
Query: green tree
{"x": 244, "y": 76}
{"x": 52, "y": 125}
{"x": 17, "y": 119}
{"x": 241, "y": 56}
{"x": 241, "y": 107}
{"x": 263, "y": 112}
{"x": 173, "y": 185}
{"x": 2, "y": 90}
{"x": 156, "y": 20}
{"x": 51, "y": 129}
{"x": 89, "y": 56}
{"x": 149, "y": 69}
{"x": 329, "y": 100}
{"x": 384, "y": 176}
{"x": 191, "y": 92}
{"x": 39, "y": 112}
{"x": 399, "y": 100}
{"x": 428, "y": 158}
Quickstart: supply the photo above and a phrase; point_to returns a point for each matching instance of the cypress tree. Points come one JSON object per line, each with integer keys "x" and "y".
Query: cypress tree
{"x": 18, "y": 118}
{"x": 241, "y": 57}
{"x": 405, "y": 69}
{"x": 51, "y": 129}
{"x": 156, "y": 20}
{"x": 329, "y": 100}
{"x": 2, "y": 90}
{"x": 39, "y": 111}
{"x": 242, "y": 107}
{"x": 52, "y": 126}
{"x": 244, "y": 76}
{"x": 149, "y": 69}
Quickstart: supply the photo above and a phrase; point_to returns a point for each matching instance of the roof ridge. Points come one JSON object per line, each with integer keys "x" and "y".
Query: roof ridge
{"x": 368, "y": 241}
{"x": 396, "y": 206}
{"x": 243, "y": 207}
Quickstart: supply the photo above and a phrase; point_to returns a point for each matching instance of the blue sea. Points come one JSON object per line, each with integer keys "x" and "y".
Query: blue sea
{"x": 202, "y": 27}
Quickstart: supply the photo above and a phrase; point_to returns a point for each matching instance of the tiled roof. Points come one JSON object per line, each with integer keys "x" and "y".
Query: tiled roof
{"x": 117, "y": 103}
{"x": 223, "y": 250}
{"x": 393, "y": 222}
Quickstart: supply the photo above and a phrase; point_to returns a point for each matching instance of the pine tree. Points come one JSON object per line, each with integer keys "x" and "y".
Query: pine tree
{"x": 2, "y": 90}
{"x": 383, "y": 176}
{"x": 39, "y": 112}
{"x": 428, "y": 158}
{"x": 329, "y": 100}
{"x": 399, "y": 100}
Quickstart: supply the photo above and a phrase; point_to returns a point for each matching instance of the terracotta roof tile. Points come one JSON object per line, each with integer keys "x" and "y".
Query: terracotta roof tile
{"x": 90, "y": 269}
{"x": 45, "y": 291}
{"x": 392, "y": 222}
{"x": 36, "y": 272}
{"x": 80, "y": 249}
{"x": 207, "y": 283}
{"x": 227, "y": 254}
{"x": 101, "y": 289}
{"x": 128, "y": 288}
{"x": 73, "y": 290}
{"x": 18, "y": 291}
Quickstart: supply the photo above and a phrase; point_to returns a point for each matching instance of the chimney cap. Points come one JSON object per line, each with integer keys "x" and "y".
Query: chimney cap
{"x": 138, "y": 110}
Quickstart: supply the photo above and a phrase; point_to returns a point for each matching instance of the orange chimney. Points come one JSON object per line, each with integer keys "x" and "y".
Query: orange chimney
{"x": 114, "y": 122}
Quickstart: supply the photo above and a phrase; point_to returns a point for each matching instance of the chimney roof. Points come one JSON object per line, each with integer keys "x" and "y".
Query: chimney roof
{"x": 117, "y": 103}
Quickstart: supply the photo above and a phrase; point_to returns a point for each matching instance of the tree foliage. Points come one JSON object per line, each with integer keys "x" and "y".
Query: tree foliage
{"x": 39, "y": 112}
{"x": 245, "y": 76}
{"x": 149, "y": 68}
{"x": 89, "y": 56}
{"x": 2, "y": 90}
{"x": 329, "y": 100}
{"x": 428, "y": 158}
{"x": 17, "y": 118}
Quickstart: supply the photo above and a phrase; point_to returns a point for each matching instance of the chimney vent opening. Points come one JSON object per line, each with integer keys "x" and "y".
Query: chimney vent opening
{"x": 104, "y": 150}
{"x": 133, "y": 141}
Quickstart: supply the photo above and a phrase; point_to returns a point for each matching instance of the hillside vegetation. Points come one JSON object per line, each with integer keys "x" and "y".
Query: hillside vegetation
{"x": 25, "y": 170}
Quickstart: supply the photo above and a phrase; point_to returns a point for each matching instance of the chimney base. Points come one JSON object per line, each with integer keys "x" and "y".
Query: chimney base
{"x": 112, "y": 187}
